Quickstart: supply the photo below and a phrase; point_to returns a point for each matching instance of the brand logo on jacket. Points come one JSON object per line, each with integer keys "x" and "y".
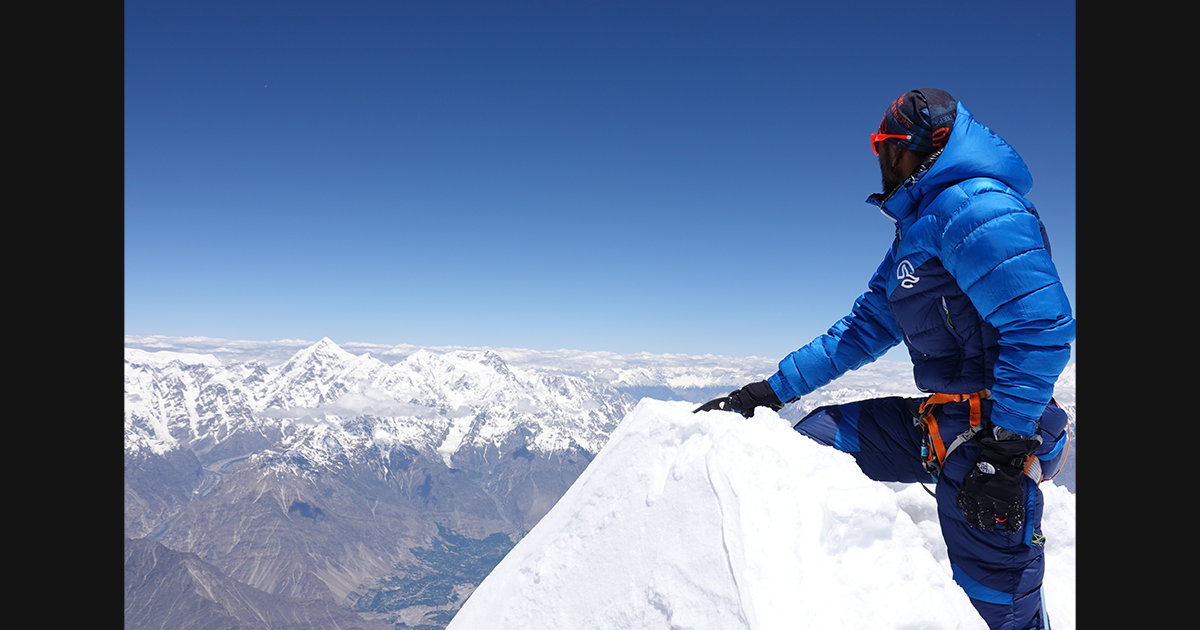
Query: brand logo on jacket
{"x": 904, "y": 273}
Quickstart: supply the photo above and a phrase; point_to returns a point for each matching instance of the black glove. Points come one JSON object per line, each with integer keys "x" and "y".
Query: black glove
{"x": 744, "y": 400}
{"x": 993, "y": 492}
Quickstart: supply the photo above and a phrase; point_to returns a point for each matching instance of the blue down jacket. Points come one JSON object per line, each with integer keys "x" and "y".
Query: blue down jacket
{"x": 968, "y": 285}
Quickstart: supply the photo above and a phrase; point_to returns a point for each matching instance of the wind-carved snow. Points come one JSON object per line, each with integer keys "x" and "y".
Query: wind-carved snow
{"x": 714, "y": 521}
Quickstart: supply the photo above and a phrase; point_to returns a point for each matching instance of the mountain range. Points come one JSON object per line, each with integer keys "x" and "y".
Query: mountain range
{"x": 335, "y": 479}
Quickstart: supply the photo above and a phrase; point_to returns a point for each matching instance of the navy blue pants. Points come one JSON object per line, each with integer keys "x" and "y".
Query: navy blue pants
{"x": 1000, "y": 571}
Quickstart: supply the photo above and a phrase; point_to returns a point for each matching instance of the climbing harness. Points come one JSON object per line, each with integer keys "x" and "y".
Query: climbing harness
{"x": 933, "y": 449}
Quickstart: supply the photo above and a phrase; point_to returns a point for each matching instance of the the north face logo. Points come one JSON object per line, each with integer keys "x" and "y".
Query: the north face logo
{"x": 904, "y": 273}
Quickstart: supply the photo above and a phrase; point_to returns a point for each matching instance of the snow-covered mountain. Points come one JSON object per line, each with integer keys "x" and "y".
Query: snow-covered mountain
{"x": 431, "y": 402}
{"x": 391, "y": 487}
{"x": 338, "y": 476}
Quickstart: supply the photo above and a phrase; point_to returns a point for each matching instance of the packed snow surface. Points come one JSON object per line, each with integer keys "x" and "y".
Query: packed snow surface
{"x": 714, "y": 521}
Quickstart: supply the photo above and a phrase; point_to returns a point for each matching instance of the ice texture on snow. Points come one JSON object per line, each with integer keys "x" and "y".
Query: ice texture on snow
{"x": 713, "y": 521}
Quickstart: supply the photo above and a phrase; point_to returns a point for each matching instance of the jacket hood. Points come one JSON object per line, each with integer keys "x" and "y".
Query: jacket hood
{"x": 972, "y": 151}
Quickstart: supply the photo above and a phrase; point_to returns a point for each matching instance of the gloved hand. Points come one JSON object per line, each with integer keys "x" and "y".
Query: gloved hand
{"x": 993, "y": 492}
{"x": 744, "y": 400}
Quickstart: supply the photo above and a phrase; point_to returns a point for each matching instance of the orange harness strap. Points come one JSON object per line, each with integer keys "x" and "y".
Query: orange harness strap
{"x": 934, "y": 459}
{"x": 935, "y": 436}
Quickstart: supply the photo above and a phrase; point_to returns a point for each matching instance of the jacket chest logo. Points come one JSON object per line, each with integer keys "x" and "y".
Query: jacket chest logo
{"x": 904, "y": 273}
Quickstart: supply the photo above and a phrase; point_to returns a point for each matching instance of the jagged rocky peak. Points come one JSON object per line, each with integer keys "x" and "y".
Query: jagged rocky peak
{"x": 327, "y": 346}
{"x": 319, "y": 375}
{"x": 428, "y": 359}
{"x": 473, "y": 374}
{"x": 494, "y": 361}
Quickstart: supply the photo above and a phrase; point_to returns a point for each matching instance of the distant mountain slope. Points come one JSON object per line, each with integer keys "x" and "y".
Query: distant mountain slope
{"x": 169, "y": 589}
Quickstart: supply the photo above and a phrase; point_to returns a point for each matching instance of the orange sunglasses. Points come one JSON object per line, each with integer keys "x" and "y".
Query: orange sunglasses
{"x": 876, "y": 138}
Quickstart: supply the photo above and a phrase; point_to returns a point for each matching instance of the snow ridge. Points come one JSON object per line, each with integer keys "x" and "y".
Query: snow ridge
{"x": 713, "y": 521}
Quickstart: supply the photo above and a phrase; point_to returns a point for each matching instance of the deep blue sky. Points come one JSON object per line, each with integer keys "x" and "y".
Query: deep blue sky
{"x": 626, "y": 176}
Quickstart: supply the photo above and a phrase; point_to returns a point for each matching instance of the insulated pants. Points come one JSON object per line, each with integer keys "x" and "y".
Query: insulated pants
{"x": 1000, "y": 571}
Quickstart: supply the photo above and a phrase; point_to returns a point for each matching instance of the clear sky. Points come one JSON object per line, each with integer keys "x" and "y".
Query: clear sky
{"x": 660, "y": 176}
